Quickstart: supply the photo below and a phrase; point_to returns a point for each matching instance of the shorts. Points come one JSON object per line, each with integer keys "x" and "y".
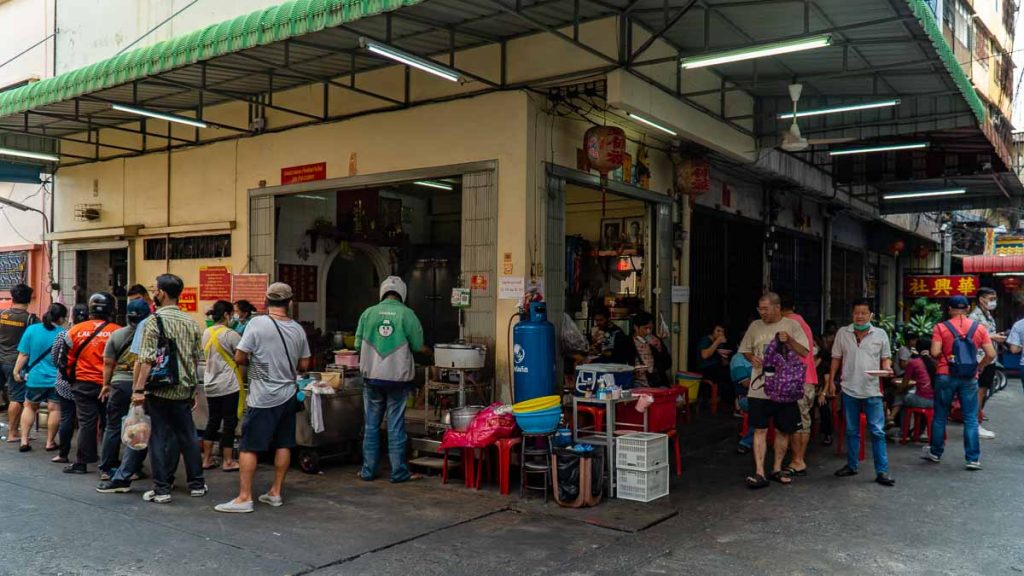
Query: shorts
{"x": 786, "y": 417}
{"x": 266, "y": 429}
{"x": 806, "y": 406}
{"x": 15, "y": 390}
{"x": 42, "y": 395}
{"x": 987, "y": 376}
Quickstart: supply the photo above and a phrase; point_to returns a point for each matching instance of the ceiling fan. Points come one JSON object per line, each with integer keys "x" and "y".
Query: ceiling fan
{"x": 791, "y": 140}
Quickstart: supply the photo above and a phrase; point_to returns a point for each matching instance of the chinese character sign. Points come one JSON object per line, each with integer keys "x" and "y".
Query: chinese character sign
{"x": 941, "y": 286}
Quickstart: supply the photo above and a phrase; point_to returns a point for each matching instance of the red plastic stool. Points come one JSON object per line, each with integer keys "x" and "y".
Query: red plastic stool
{"x": 714, "y": 395}
{"x": 745, "y": 427}
{"x": 504, "y": 447}
{"x": 468, "y": 465}
{"x": 922, "y": 418}
{"x": 673, "y": 435}
{"x": 596, "y": 413}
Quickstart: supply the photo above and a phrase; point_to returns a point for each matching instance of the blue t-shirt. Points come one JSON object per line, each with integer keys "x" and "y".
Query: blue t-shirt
{"x": 137, "y": 339}
{"x": 37, "y": 342}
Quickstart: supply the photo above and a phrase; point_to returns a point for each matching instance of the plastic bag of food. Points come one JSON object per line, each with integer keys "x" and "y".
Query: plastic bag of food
{"x": 572, "y": 338}
{"x": 136, "y": 428}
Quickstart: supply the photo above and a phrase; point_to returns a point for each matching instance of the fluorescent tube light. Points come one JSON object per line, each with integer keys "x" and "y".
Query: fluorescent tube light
{"x": 772, "y": 49}
{"x": 643, "y": 120}
{"x": 160, "y": 115}
{"x": 431, "y": 184}
{"x": 410, "y": 59}
{"x": 27, "y": 154}
{"x": 928, "y": 194}
{"x": 1008, "y": 273}
{"x": 310, "y": 197}
{"x": 885, "y": 148}
{"x": 841, "y": 109}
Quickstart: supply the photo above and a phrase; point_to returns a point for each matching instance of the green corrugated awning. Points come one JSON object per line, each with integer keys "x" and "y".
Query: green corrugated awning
{"x": 934, "y": 29}
{"x": 274, "y": 24}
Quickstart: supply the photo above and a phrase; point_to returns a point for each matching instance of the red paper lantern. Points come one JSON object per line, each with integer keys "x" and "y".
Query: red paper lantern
{"x": 921, "y": 251}
{"x": 1010, "y": 284}
{"x": 605, "y": 147}
{"x": 898, "y": 246}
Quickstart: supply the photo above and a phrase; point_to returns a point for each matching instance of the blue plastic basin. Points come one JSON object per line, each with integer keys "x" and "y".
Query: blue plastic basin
{"x": 540, "y": 422}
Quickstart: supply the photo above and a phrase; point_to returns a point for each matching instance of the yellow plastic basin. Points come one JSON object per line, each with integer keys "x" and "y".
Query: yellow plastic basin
{"x": 541, "y": 403}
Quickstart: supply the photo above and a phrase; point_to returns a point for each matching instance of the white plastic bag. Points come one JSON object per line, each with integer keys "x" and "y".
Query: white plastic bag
{"x": 136, "y": 428}
{"x": 572, "y": 338}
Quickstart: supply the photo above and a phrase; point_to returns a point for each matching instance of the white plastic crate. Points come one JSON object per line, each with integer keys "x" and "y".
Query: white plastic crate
{"x": 641, "y": 485}
{"x": 641, "y": 451}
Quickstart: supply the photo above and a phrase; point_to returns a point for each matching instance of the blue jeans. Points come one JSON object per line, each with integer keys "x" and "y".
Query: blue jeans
{"x": 748, "y": 440}
{"x": 378, "y": 401}
{"x": 945, "y": 387}
{"x": 874, "y": 409}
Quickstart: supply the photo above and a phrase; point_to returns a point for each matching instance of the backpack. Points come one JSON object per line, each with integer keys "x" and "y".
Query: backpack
{"x": 963, "y": 358}
{"x": 787, "y": 383}
{"x": 164, "y": 372}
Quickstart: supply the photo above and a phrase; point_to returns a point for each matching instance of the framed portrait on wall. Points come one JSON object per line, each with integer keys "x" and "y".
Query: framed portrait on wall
{"x": 633, "y": 231}
{"x": 611, "y": 232}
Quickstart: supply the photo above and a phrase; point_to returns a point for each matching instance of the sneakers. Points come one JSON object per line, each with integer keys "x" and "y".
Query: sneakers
{"x": 198, "y": 492}
{"x": 152, "y": 496}
{"x": 274, "y": 501}
{"x": 926, "y": 453}
{"x": 973, "y": 466}
{"x": 111, "y": 487}
{"x": 884, "y": 479}
{"x": 986, "y": 434}
{"x": 233, "y": 507}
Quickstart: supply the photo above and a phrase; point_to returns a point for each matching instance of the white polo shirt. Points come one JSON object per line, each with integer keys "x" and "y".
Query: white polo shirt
{"x": 859, "y": 357}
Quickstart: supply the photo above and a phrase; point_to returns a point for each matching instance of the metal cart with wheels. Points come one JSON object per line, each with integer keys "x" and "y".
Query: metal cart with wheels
{"x": 343, "y": 425}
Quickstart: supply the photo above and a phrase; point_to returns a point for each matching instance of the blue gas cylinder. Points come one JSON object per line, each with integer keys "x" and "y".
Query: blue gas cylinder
{"x": 533, "y": 354}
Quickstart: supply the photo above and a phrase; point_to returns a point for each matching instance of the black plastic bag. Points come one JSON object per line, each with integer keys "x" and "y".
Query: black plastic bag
{"x": 568, "y": 475}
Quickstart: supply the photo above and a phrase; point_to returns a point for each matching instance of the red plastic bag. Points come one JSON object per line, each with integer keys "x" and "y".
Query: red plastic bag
{"x": 490, "y": 425}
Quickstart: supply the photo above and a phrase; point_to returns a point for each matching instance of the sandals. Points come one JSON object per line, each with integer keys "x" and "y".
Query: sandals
{"x": 794, "y": 473}
{"x": 742, "y": 450}
{"x": 781, "y": 477}
{"x": 757, "y": 482}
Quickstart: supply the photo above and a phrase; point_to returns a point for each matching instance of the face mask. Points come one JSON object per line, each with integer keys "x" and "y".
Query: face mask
{"x": 861, "y": 327}
{"x": 991, "y": 305}
{"x": 233, "y": 323}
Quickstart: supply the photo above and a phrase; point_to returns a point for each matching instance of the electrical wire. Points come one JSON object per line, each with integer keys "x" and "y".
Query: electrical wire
{"x": 154, "y": 28}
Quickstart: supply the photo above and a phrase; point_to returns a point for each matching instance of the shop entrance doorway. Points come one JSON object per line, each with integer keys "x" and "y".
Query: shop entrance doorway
{"x": 85, "y": 269}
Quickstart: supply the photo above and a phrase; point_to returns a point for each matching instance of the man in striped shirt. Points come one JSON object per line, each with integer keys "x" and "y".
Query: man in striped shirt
{"x": 170, "y": 406}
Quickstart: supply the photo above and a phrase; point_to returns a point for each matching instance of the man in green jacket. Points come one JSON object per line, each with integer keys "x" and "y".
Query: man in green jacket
{"x": 387, "y": 335}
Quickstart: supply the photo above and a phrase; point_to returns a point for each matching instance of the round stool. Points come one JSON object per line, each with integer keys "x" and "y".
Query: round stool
{"x": 535, "y": 459}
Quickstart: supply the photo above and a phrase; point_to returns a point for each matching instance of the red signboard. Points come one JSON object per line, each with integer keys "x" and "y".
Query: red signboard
{"x": 189, "y": 300}
{"x": 214, "y": 283}
{"x": 304, "y": 173}
{"x": 941, "y": 286}
{"x": 478, "y": 282}
{"x": 251, "y": 287}
{"x": 302, "y": 279}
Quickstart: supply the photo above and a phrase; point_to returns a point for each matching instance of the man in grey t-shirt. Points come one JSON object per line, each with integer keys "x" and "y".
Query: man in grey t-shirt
{"x": 118, "y": 364}
{"x": 275, "y": 349}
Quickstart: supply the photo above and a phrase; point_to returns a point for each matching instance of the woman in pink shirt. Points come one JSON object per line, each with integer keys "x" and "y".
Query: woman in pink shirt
{"x": 920, "y": 369}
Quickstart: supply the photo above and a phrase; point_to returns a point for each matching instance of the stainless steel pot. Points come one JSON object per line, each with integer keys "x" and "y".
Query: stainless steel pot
{"x": 456, "y": 355}
{"x": 462, "y": 417}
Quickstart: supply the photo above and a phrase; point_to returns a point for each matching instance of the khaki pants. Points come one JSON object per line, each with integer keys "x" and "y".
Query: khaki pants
{"x": 806, "y": 404}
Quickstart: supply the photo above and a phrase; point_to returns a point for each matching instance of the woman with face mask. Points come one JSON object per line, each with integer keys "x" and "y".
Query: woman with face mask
{"x": 244, "y": 311}
{"x": 987, "y": 300}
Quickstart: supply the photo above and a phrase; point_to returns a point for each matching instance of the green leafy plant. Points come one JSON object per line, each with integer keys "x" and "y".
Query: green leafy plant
{"x": 888, "y": 323}
{"x": 924, "y": 315}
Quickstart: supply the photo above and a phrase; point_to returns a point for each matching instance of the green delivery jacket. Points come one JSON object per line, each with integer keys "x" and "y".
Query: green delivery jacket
{"x": 386, "y": 337}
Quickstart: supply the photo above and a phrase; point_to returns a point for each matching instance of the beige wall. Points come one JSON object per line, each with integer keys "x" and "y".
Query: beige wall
{"x": 210, "y": 183}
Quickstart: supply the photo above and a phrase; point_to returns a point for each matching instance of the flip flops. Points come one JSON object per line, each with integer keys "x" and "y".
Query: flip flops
{"x": 780, "y": 476}
{"x": 757, "y": 482}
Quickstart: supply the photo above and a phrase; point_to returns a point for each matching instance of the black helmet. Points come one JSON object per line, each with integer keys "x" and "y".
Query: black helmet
{"x": 80, "y": 313}
{"x": 102, "y": 304}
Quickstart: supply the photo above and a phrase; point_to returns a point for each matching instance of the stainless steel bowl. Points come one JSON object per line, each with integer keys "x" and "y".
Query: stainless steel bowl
{"x": 462, "y": 417}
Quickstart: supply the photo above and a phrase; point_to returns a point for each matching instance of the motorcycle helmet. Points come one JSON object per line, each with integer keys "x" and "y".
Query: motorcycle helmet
{"x": 102, "y": 304}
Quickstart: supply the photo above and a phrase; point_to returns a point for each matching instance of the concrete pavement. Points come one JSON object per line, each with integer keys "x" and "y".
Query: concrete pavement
{"x": 939, "y": 519}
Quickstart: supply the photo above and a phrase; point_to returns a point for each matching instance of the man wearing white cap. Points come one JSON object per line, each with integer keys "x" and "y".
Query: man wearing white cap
{"x": 387, "y": 335}
{"x": 276, "y": 350}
